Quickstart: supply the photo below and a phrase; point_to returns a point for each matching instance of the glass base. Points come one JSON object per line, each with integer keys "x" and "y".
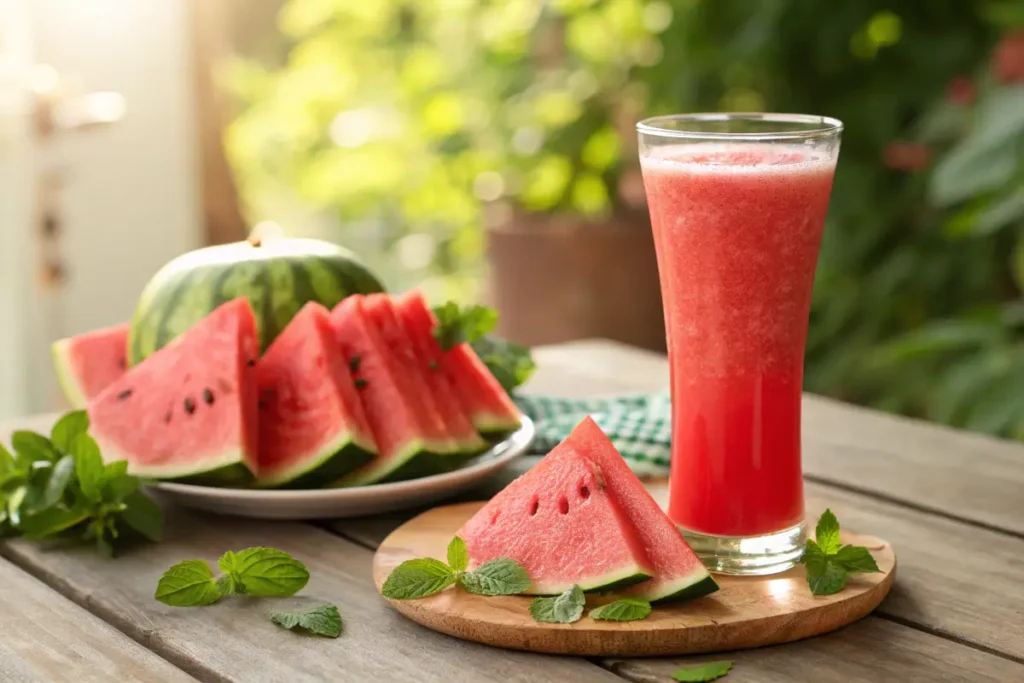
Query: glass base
{"x": 749, "y": 555}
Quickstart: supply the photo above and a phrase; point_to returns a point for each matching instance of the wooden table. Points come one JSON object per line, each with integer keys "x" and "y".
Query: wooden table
{"x": 951, "y": 503}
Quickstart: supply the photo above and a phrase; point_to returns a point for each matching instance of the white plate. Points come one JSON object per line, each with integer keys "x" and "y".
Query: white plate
{"x": 350, "y": 502}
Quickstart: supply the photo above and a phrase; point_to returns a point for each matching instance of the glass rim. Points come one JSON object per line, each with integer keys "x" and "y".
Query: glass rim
{"x": 826, "y": 125}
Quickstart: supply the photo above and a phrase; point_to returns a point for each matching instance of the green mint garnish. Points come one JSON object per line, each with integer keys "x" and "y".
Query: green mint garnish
{"x": 702, "y": 673}
{"x": 264, "y": 572}
{"x": 626, "y": 609}
{"x": 501, "y": 576}
{"x": 456, "y": 324}
{"x": 511, "y": 364}
{"x": 561, "y": 609}
{"x": 829, "y": 563}
{"x": 321, "y": 620}
{"x": 188, "y": 584}
{"x": 59, "y": 486}
{"x": 418, "y": 579}
{"x": 426, "y": 576}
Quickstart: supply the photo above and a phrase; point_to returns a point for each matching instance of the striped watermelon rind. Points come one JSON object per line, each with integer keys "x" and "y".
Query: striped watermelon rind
{"x": 277, "y": 275}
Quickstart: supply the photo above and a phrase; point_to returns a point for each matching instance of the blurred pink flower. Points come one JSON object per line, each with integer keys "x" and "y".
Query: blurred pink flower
{"x": 906, "y": 156}
{"x": 961, "y": 91}
{"x": 1008, "y": 60}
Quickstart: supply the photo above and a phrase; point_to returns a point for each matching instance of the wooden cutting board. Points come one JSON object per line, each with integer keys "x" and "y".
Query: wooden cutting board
{"x": 746, "y": 612}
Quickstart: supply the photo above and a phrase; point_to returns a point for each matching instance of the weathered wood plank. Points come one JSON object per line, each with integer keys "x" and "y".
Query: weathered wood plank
{"x": 235, "y": 641}
{"x": 869, "y": 651}
{"x": 43, "y": 637}
{"x": 953, "y": 472}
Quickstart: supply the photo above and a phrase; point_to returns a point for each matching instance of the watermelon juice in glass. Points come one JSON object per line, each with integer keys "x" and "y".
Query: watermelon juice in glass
{"x": 737, "y": 204}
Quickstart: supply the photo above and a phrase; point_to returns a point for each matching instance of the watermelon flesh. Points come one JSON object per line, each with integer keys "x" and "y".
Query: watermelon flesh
{"x": 678, "y": 572}
{"x": 380, "y": 311}
{"x": 312, "y": 428}
{"x": 561, "y": 524}
{"x": 188, "y": 410}
{"x": 489, "y": 406}
{"x": 392, "y": 417}
{"x": 89, "y": 363}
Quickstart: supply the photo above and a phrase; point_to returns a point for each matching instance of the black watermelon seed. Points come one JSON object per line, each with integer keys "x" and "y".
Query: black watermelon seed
{"x": 251, "y": 363}
{"x": 190, "y": 407}
{"x": 124, "y": 394}
{"x": 353, "y": 363}
{"x": 360, "y": 382}
{"x": 208, "y": 396}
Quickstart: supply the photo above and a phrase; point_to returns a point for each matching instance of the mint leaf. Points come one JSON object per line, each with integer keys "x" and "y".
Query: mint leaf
{"x": 227, "y": 585}
{"x": 561, "y": 609}
{"x": 265, "y": 572}
{"x": 458, "y": 556}
{"x": 60, "y": 476}
{"x": 831, "y": 580}
{"x": 827, "y": 532}
{"x": 501, "y": 576}
{"x": 856, "y": 559}
{"x": 67, "y": 428}
{"x": 626, "y": 609}
{"x": 814, "y": 558}
{"x": 418, "y": 579}
{"x": 702, "y": 673}
{"x": 88, "y": 466}
{"x": 456, "y": 325}
{"x": 32, "y": 447}
{"x": 322, "y": 620}
{"x": 50, "y": 522}
{"x": 188, "y": 584}
{"x": 143, "y": 515}
{"x": 7, "y": 461}
{"x": 511, "y": 364}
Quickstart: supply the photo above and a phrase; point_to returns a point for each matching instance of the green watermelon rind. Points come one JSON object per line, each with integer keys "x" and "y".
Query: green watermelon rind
{"x": 277, "y": 282}
{"x": 343, "y": 454}
{"x": 380, "y": 470}
{"x": 696, "y": 584}
{"x": 225, "y": 467}
{"x": 628, "y": 575}
{"x": 65, "y": 376}
{"x": 493, "y": 426}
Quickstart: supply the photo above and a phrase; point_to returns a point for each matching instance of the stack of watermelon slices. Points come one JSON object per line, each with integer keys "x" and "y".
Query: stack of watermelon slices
{"x": 582, "y": 517}
{"x": 359, "y": 395}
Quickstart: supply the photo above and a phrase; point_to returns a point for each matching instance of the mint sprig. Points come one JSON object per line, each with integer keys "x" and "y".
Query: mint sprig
{"x": 510, "y": 363}
{"x": 456, "y": 324}
{"x": 829, "y": 563}
{"x": 565, "y": 608}
{"x": 423, "y": 577}
{"x": 626, "y": 609}
{"x": 321, "y": 620}
{"x": 59, "y": 487}
{"x": 702, "y": 673}
{"x": 258, "y": 572}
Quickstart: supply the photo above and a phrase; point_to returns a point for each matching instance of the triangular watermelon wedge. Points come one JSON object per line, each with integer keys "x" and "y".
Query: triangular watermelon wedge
{"x": 393, "y": 419}
{"x": 88, "y": 363}
{"x": 312, "y": 425}
{"x": 679, "y": 573}
{"x": 489, "y": 406}
{"x": 561, "y": 524}
{"x": 188, "y": 410}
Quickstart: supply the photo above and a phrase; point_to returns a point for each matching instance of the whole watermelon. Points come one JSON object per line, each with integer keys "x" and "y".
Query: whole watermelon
{"x": 278, "y": 276}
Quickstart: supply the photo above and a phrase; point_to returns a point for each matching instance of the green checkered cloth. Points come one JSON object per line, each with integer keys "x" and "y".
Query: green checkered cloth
{"x": 640, "y": 426}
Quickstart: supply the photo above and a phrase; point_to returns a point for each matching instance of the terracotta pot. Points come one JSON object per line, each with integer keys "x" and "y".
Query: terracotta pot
{"x": 557, "y": 278}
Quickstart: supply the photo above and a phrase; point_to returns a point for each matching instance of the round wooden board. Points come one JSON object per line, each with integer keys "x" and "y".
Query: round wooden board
{"x": 746, "y": 612}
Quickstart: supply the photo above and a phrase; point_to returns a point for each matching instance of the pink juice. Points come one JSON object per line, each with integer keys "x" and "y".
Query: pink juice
{"x": 737, "y": 229}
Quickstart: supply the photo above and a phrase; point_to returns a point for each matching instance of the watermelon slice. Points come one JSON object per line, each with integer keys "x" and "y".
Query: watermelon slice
{"x": 561, "y": 524}
{"x": 188, "y": 410}
{"x": 482, "y": 397}
{"x": 390, "y": 411}
{"x": 89, "y": 363}
{"x": 312, "y": 425}
{"x": 381, "y": 312}
{"x": 679, "y": 573}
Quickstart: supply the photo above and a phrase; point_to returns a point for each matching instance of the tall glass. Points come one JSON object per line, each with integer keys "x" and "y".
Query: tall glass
{"x": 737, "y": 204}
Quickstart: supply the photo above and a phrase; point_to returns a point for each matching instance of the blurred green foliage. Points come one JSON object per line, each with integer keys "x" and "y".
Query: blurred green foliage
{"x": 419, "y": 122}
